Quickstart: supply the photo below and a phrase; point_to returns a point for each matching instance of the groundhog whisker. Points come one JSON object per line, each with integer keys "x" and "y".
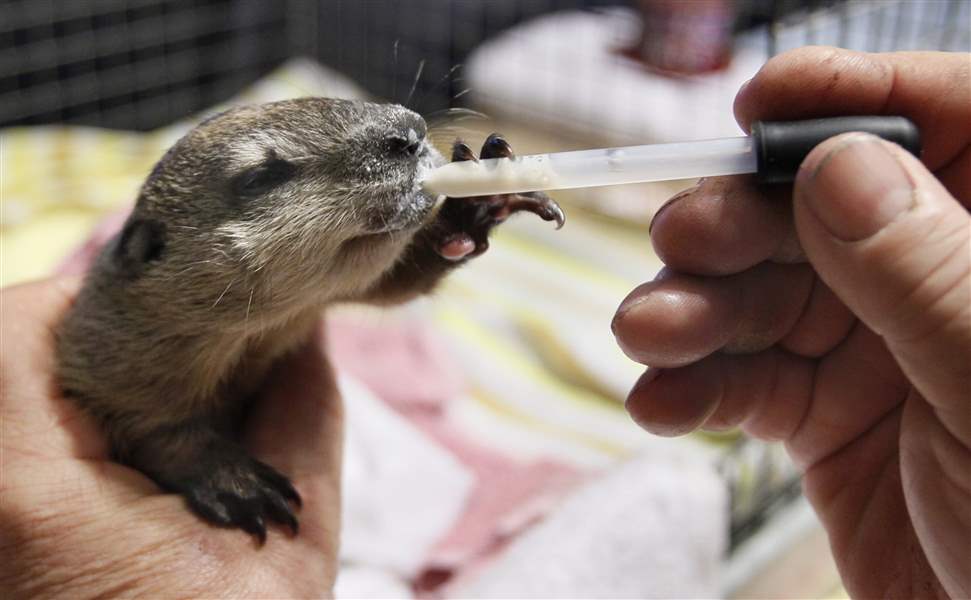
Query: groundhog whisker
{"x": 455, "y": 113}
{"x": 193, "y": 265}
{"x": 394, "y": 70}
{"x": 444, "y": 78}
{"x": 414, "y": 84}
{"x": 231, "y": 282}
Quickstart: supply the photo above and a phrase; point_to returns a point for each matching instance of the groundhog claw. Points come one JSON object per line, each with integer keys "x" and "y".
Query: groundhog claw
{"x": 243, "y": 493}
{"x": 468, "y": 221}
{"x": 540, "y": 204}
{"x": 496, "y": 146}
{"x": 462, "y": 152}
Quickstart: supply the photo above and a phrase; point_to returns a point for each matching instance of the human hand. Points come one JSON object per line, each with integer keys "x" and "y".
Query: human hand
{"x": 74, "y": 523}
{"x": 839, "y": 322}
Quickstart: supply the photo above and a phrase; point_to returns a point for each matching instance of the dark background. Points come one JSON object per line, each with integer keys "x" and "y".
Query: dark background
{"x": 140, "y": 64}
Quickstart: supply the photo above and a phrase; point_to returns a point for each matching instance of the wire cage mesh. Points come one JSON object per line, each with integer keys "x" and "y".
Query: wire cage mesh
{"x": 135, "y": 64}
{"x": 138, "y": 64}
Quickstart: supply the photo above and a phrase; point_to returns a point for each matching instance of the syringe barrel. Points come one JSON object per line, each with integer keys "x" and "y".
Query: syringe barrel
{"x": 774, "y": 151}
{"x": 656, "y": 162}
{"x": 590, "y": 168}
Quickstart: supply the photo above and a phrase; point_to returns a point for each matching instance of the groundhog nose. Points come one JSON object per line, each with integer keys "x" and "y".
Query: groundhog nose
{"x": 406, "y": 143}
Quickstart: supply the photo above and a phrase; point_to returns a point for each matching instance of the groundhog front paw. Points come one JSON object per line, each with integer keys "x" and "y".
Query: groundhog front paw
{"x": 239, "y": 491}
{"x": 466, "y": 222}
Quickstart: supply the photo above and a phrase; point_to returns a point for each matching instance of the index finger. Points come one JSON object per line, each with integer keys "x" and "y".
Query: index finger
{"x": 933, "y": 89}
{"x": 729, "y": 224}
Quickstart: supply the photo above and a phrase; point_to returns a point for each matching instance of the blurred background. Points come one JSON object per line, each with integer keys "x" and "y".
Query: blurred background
{"x": 141, "y": 64}
{"x": 510, "y": 429}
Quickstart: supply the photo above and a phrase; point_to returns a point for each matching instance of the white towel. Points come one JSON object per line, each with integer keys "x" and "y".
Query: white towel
{"x": 360, "y": 582}
{"x": 654, "y": 527}
{"x": 402, "y": 492}
{"x": 564, "y": 70}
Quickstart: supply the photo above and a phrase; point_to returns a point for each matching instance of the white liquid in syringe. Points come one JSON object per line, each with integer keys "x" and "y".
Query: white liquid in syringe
{"x": 590, "y": 168}
{"x": 493, "y": 176}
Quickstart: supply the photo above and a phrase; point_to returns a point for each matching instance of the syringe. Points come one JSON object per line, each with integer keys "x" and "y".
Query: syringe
{"x": 774, "y": 152}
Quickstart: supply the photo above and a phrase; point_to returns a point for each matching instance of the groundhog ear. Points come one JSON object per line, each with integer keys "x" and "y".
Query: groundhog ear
{"x": 140, "y": 242}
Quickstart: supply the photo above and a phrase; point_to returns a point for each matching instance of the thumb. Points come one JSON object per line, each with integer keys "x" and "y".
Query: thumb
{"x": 297, "y": 426}
{"x": 297, "y": 422}
{"x": 895, "y": 246}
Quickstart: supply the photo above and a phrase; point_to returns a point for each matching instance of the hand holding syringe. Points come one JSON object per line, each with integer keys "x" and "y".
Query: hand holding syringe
{"x": 773, "y": 151}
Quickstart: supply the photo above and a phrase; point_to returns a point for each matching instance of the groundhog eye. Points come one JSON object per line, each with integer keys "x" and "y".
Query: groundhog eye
{"x": 263, "y": 178}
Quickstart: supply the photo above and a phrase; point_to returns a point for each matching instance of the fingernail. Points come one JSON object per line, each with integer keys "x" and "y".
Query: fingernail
{"x": 856, "y": 188}
{"x": 637, "y": 296}
{"x": 622, "y": 311}
{"x": 635, "y": 405}
{"x": 744, "y": 86}
{"x": 672, "y": 200}
{"x": 739, "y": 102}
{"x": 647, "y": 377}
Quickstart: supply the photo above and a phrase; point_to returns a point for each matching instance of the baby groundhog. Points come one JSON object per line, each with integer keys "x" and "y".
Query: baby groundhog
{"x": 244, "y": 231}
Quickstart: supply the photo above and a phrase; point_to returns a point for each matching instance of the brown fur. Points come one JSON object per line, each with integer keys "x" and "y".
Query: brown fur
{"x": 217, "y": 274}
